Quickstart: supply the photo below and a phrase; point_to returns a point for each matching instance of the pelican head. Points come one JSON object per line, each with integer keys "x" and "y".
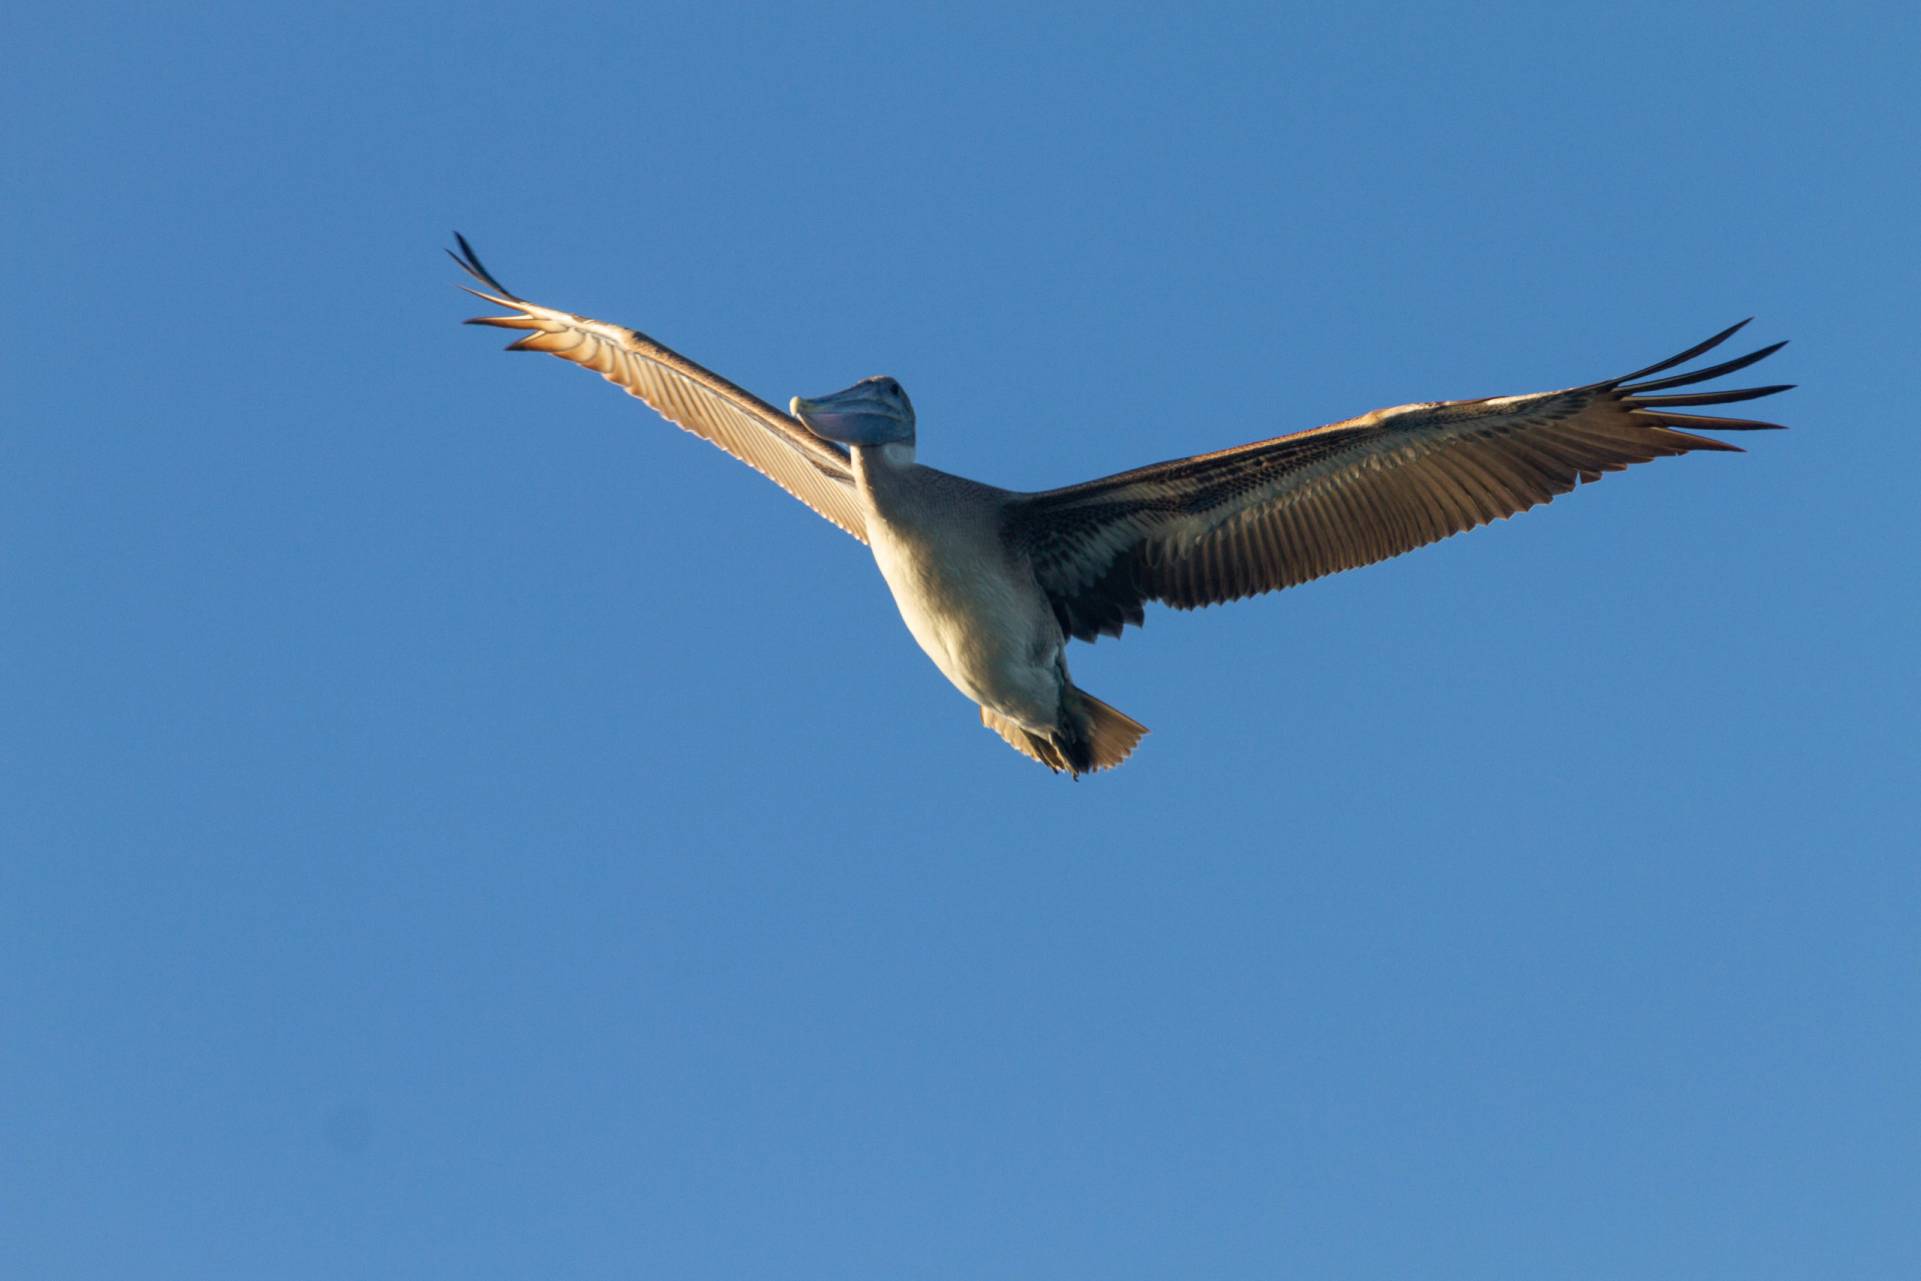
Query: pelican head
{"x": 874, "y": 411}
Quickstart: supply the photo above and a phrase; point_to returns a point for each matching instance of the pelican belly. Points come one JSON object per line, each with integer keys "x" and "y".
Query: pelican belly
{"x": 973, "y": 608}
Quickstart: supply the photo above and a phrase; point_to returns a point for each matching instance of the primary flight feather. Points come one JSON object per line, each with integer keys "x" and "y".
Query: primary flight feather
{"x": 993, "y": 583}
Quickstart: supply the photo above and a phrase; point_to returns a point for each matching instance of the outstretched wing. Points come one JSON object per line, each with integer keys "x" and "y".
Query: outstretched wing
{"x": 813, "y": 470}
{"x": 1217, "y": 527}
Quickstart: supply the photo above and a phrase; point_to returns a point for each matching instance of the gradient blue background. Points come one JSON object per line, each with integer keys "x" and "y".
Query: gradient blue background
{"x": 457, "y": 826}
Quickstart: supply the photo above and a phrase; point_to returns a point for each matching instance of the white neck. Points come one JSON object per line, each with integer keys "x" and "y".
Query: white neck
{"x": 894, "y": 456}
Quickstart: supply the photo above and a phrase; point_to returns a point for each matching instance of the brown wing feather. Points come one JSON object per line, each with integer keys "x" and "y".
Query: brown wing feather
{"x": 1217, "y": 527}
{"x": 696, "y": 399}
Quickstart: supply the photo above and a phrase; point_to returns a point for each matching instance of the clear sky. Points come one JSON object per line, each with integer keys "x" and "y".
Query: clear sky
{"x": 456, "y": 825}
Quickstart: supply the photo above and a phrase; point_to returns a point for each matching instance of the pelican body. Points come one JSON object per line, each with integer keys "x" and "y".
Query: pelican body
{"x": 993, "y": 583}
{"x": 970, "y": 603}
{"x": 973, "y": 604}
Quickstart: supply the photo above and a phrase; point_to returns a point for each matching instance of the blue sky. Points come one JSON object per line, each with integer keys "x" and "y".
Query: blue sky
{"x": 456, "y": 825}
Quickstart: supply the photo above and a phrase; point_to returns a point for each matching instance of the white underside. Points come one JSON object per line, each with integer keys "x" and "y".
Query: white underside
{"x": 986, "y": 626}
{"x": 978, "y": 633}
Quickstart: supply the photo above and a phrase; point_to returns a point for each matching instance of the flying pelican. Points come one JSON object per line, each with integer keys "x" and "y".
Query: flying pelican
{"x": 993, "y": 583}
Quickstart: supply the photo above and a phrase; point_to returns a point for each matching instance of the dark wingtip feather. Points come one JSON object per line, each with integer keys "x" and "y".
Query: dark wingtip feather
{"x": 1711, "y": 423}
{"x": 1702, "y": 375}
{"x": 470, "y": 263}
{"x": 1696, "y": 350}
{"x": 1728, "y": 397}
{"x": 1690, "y": 442}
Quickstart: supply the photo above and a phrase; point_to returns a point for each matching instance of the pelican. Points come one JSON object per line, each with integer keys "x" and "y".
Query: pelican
{"x": 993, "y": 583}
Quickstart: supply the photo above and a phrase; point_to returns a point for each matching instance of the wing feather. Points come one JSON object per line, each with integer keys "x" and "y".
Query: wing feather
{"x": 1221, "y": 526}
{"x": 693, "y": 398}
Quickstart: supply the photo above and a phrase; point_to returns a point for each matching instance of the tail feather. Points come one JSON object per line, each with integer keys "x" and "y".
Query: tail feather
{"x": 1024, "y": 740}
{"x": 1092, "y": 736}
{"x": 1111, "y": 735}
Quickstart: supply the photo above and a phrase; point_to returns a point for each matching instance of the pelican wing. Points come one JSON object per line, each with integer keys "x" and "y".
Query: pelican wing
{"x": 1217, "y": 527}
{"x": 813, "y": 470}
